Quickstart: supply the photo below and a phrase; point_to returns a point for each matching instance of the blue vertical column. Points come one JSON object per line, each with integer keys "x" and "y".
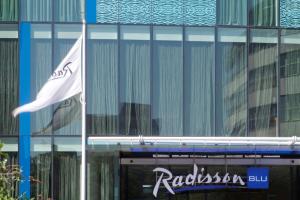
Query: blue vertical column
{"x": 24, "y": 141}
{"x": 90, "y": 9}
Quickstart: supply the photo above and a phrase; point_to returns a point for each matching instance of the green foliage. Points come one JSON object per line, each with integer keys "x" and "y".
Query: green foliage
{"x": 9, "y": 176}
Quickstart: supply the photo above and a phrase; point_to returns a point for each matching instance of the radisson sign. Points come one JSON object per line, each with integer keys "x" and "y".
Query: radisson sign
{"x": 257, "y": 178}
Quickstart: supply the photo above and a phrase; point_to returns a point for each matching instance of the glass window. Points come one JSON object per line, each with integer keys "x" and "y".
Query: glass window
{"x": 263, "y": 12}
{"x": 167, "y": 110}
{"x": 66, "y": 114}
{"x": 68, "y": 10}
{"x": 232, "y": 12}
{"x": 262, "y": 94}
{"x": 36, "y": 10}
{"x": 103, "y": 176}
{"x": 8, "y": 10}
{"x": 231, "y": 84}
{"x": 102, "y": 84}
{"x": 199, "y": 84}
{"x": 40, "y": 169}
{"x": 41, "y": 69}
{"x": 135, "y": 80}
{"x": 289, "y": 83}
{"x": 9, "y": 78}
{"x": 66, "y": 166}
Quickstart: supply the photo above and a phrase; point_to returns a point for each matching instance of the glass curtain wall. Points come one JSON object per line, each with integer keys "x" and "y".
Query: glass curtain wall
{"x": 103, "y": 175}
{"x": 9, "y": 78}
{"x": 231, "y": 77}
{"x": 68, "y": 10}
{"x": 289, "y": 83}
{"x": 66, "y": 168}
{"x": 102, "y": 84}
{"x": 167, "y": 110}
{"x": 41, "y": 68}
{"x": 199, "y": 82}
{"x": 8, "y": 10}
{"x": 232, "y": 12}
{"x": 135, "y": 80}
{"x": 40, "y": 168}
{"x": 36, "y": 10}
{"x": 66, "y": 119}
{"x": 262, "y": 96}
{"x": 263, "y": 12}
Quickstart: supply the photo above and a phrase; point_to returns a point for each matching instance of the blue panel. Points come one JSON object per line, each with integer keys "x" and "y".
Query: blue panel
{"x": 201, "y": 12}
{"x": 24, "y": 143}
{"x": 91, "y": 11}
{"x": 107, "y": 11}
{"x": 290, "y": 13}
{"x": 135, "y": 11}
{"x": 167, "y": 12}
{"x": 258, "y": 178}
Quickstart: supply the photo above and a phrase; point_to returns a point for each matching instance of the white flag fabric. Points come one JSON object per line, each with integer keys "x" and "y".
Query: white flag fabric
{"x": 64, "y": 83}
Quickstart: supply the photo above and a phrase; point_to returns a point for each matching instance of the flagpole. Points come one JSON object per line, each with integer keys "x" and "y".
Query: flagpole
{"x": 83, "y": 117}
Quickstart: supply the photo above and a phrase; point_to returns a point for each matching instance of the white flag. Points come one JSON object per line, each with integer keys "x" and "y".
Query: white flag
{"x": 64, "y": 83}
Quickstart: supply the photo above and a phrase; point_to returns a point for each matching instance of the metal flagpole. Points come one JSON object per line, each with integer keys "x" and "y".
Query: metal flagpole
{"x": 83, "y": 118}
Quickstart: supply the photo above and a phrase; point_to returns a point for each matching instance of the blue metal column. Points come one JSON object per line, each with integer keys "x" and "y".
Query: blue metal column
{"x": 24, "y": 141}
{"x": 90, "y": 10}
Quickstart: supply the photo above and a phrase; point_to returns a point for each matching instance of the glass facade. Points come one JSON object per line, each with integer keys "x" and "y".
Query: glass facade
{"x": 154, "y": 68}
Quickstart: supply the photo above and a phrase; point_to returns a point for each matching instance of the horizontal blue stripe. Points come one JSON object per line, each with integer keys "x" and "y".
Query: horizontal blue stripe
{"x": 269, "y": 151}
{"x": 205, "y": 187}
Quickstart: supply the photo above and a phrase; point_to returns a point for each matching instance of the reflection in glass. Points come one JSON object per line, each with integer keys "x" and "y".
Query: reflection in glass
{"x": 232, "y": 12}
{"x": 102, "y": 87}
{"x": 289, "y": 83}
{"x": 103, "y": 179}
{"x": 40, "y": 168}
{"x": 167, "y": 83}
{"x": 262, "y": 87}
{"x": 9, "y": 84}
{"x": 263, "y": 13}
{"x": 199, "y": 84}
{"x": 8, "y": 10}
{"x": 68, "y": 10}
{"x": 36, "y": 10}
{"x": 66, "y": 175}
{"x": 135, "y": 87}
{"x": 232, "y": 67}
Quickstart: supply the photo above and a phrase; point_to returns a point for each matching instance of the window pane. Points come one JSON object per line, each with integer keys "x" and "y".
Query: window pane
{"x": 102, "y": 84}
{"x": 289, "y": 83}
{"x": 68, "y": 10}
{"x": 199, "y": 82}
{"x": 40, "y": 168}
{"x": 263, "y": 12}
{"x": 66, "y": 114}
{"x": 232, "y": 12}
{"x": 103, "y": 176}
{"x": 66, "y": 173}
{"x": 8, "y": 10}
{"x": 9, "y": 78}
{"x": 262, "y": 83}
{"x": 231, "y": 89}
{"x": 36, "y": 10}
{"x": 135, "y": 80}
{"x": 167, "y": 110}
{"x": 41, "y": 69}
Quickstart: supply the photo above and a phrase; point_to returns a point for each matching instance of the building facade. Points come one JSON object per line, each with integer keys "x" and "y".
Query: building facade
{"x": 186, "y": 99}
